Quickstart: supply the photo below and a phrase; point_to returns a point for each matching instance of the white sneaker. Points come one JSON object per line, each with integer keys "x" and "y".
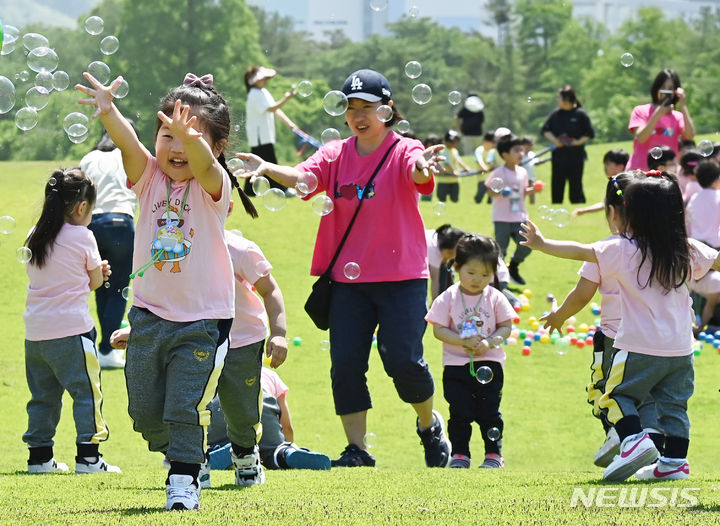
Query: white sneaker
{"x": 100, "y": 466}
{"x": 665, "y": 469}
{"x": 204, "y": 475}
{"x": 248, "y": 470}
{"x": 183, "y": 493}
{"x": 608, "y": 450}
{"x": 112, "y": 360}
{"x": 51, "y": 466}
{"x": 636, "y": 451}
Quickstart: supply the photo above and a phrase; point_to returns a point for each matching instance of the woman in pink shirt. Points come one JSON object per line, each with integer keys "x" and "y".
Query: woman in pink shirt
{"x": 666, "y": 120}
{"x": 380, "y": 276}
{"x": 652, "y": 261}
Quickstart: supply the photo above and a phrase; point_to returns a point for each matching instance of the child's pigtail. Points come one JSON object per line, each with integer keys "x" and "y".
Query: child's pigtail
{"x": 246, "y": 202}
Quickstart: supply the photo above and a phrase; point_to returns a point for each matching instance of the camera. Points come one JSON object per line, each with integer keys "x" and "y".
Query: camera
{"x": 667, "y": 97}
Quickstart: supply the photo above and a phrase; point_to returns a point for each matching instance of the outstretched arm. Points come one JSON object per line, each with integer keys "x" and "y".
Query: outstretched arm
{"x": 575, "y": 300}
{"x": 429, "y": 164}
{"x": 135, "y": 156}
{"x": 562, "y": 249}
{"x": 255, "y": 167}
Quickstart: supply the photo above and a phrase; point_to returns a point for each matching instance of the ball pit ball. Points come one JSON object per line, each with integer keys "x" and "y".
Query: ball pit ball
{"x": 511, "y": 341}
{"x": 525, "y": 307}
{"x": 572, "y": 320}
{"x": 537, "y": 336}
{"x": 532, "y": 319}
{"x": 573, "y": 340}
{"x": 535, "y": 325}
{"x": 538, "y": 186}
{"x": 550, "y": 298}
{"x": 696, "y": 352}
{"x": 583, "y": 327}
{"x": 588, "y": 340}
{"x": 526, "y": 351}
{"x": 516, "y": 320}
{"x": 596, "y": 311}
{"x": 544, "y": 338}
{"x": 297, "y": 341}
{"x": 527, "y": 342}
{"x": 570, "y": 328}
{"x": 527, "y": 293}
{"x": 522, "y": 333}
{"x": 505, "y": 192}
{"x": 517, "y": 308}
{"x": 580, "y": 343}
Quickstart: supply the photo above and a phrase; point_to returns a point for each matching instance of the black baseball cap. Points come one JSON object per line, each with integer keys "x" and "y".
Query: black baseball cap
{"x": 367, "y": 84}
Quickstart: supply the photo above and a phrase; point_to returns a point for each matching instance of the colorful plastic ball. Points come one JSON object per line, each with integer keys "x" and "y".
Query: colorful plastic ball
{"x": 527, "y": 342}
{"x": 570, "y": 328}
{"x": 517, "y": 308}
{"x": 544, "y": 338}
{"x": 580, "y": 343}
{"x": 505, "y": 192}
{"x": 588, "y": 340}
{"x": 596, "y": 311}
{"x": 716, "y": 344}
{"x": 538, "y": 186}
{"x": 554, "y": 338}
{"x": 525, "y": 307}
{"x": 527, "y": 293}
{"x": 696, "y": 352}
{"x": 583, "y": 327}
{"x": 717, "y": 334}
{"x": 526, "y": 351}
{"x": 573, "y": 340}
{"x": 550, "y": 298}
{"x": 572, "y": 320}
{"x": 523, "y": 332}
{"x": 297, "y": 341}
{"x": 597, "y": 321}
{"x": 537, "y": 336}
{"x": 516, "y": 320}
{"x": 529, "y": 334}
{"x": 701, "y": 336}
{"x": 512, "y": 341}
{"x": 532, "y": 319}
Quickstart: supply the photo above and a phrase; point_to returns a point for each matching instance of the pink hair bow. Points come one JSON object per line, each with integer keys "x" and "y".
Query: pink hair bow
{"x": 206, "y": 81}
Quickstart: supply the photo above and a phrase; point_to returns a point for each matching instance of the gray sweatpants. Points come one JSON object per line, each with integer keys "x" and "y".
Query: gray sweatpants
{"x": 503, "y": 233}
{"x": 670, "y": 382}
{"x": 172, "y": 372}
{"x": 53, "y": 366}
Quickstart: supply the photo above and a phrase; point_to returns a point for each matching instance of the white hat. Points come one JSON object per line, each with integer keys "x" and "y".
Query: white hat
{"x": 262, "y": 73}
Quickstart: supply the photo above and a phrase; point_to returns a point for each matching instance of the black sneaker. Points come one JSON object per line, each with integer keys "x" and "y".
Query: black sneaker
{"x": 514, "y": 274}
{"x": 353, "y": 457}
{"x": 436, "y": 443}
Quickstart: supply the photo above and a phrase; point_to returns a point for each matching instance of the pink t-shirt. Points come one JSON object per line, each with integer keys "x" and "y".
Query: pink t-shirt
{"x": 58, "y": 293}
{"x": 692, "y": 188}
{"x": 668, "y": 131}
{"x": 703, "y": 216}
{"x": 481, "y": 313}
{"x": 272, "y": 384}
{"x": 652, "y": 320}
{"x": 249, "y": 264}
{"x": 511, "y": 208}
{"x": 192, "y": 279}
{"x": 610, "y": 303}
{"x": 387, "y": 240}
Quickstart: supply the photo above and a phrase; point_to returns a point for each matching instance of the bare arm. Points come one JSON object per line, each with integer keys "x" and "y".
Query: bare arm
{"x": 255, "y": 167}
{"x": 562, "y": 249}
{"x": 475, "y": 344}
{"x": 689, "y": 131}
{"x": 279, "y": 104}
{"x": 281, "y": 115}
{"x": 285, "y": 419}
{"x": 434, "y": 281}
{"x": 597, "y": 207}
{"x": 644, "y": 133}
{"x": 575, "y": 300}
{"x": 271, "y": 294}
{"x": 99, "y": 274}
{"x": 429, "y": 164}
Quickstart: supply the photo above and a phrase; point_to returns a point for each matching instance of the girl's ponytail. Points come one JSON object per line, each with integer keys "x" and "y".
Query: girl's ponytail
{"x": 246, "y": 202}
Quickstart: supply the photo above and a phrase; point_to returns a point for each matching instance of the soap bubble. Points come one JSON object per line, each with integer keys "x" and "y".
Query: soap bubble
{"x": 7, "y": 225}
{"x": 75, "y": 118}
{"x": 439, "y": 208}
{"x": 100, "y": 71}
{"x": 77, "y": 130}
{"x": 106, "y": 284}
{"x": 705, "y": 147}
{"x": 127, "y": 293}
{"x": 263, "y": 268}
{"x": 413, "y": 69}
{"x": 122, "y": 90}
{"x": 329, "y": 135}
{"x": 351, "y": 270}
{"x": 52, "y": 181}
{"x": 309, "y": 180}
{"x": 454, "y": 97}
{"x": 378, "y": 5}
{"x": 562, "y": 345}
{"x": 422, "y": 94}
{"x": 627, "y": 60}
{"x": 26, "y": 119}
{"x": 109, "y": 45}
{"x": 305, "y": 88}
{"x": 324, "y": 345}
{"x": 42, "y": 59}
{"x": 44, "y": 80}
{"x": 561, "y": 218}
{"x": 60, "y": 80}
{"x": 322, "y": 205}
{"x": 384, "y": 113}
{"x": 493, "y": 434}
{"x": 94, "y": 25}
{"x": 335, "y": 103}
{"x": 77, "y": 139}
{"x": 24, "y": 75}
{"x": 474, "y": 104}
{"x": 23, "y": 255}
{"x": 403, "y": 126}
{"x": 235, "y": 165}
{"x": 37, "y": 98}
{"x": 260, "y": 185}
{"x": 7, "y": 94}
{"x": 370, "y": 440}
{"x": 544, "y": 211}
{"x": 484, "y": 375}
{"x": 656, "y": 152}
{"x": 33, "y": 40}
{"x": 10, "y": 37}
{"x": 414, "y": 11}
{"x": 497, "y": 184}
{"x": 274, "y": 199}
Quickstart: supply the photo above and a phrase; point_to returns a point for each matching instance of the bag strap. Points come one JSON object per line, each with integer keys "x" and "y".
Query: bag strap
{"x": 362, "y": 198}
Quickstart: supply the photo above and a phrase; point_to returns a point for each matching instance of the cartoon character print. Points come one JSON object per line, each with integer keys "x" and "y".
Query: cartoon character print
{"x": 470, "y": 326}
{"x": 170, "y": 244}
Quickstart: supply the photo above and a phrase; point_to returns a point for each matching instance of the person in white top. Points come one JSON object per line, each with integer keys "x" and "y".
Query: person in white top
{"x": 114, "y": 230}
{"x": 260, "y": 112}
{"x": 652, "y": 260}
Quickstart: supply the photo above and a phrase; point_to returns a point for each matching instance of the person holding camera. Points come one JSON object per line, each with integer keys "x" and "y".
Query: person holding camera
{"x": 665, "y": 121}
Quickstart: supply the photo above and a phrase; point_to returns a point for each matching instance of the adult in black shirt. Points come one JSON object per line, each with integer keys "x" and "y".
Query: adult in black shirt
{"x": 469, "y": 120}
{"x": 568, "y": 127}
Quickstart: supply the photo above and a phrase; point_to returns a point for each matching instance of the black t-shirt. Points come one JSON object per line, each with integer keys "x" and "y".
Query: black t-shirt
{"x": 470, "y": 121}
{"x": 568, "y": 125}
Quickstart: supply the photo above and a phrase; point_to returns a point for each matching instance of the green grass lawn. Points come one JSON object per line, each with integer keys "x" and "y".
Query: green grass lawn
{"x": 550, "y": 436}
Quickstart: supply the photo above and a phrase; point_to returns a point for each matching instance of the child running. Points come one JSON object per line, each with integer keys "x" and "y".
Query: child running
{"x": 183, "y": 298}
{"x": 472, "y": 319}
{"x": 652, "y": 260}
{"x": 60, "y": 352}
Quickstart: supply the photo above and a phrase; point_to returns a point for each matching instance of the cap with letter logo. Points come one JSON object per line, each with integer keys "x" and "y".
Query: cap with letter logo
{"x": 367, "y": 84}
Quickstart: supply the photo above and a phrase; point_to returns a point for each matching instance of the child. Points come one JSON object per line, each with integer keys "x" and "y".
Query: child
{"x": 508, "y": 210}
{"x": 528, "y": 162}
{"x": 651, "y": 260}
{"x": 277, "y": 449}
{"x": 472, "y": 320}
{"x": 448, "y": 185}
{"x": 486, "y": 158}
{"x": 183, "y": 300}
{"x": 60, "y": 352}
{"x": 686, "y": 178}
{"x": 441, "y": 249}
{"x": 614, "y": 162}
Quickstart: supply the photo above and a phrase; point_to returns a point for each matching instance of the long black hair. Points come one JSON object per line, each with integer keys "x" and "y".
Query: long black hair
{"x": 615, "y": 193}
{"x": 64, "y": 190}
{"x": 655, "y": 215}
{"x": 212, "y": 109}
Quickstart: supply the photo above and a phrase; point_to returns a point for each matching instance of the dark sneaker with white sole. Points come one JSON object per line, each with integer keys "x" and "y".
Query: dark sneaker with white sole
{"x": 353, "y": 457}
{"x": 436, "y": 443}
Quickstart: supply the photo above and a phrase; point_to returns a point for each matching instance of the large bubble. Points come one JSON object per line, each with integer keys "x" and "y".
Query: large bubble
{"x": 305, "y": 88}
{"x": 26, "y": 119}
{"x": 100, "y": 71}
{"x": 109, "y": 45}
{"x": 44, "y": 80}
{"x": 34, "y": 40}
{"x": 42, "y": 59}
{"x": 627, "y": 60}
{"x": 11, "y": 35}
{"x": 413, "y": 69}
{"x": 7, "y": 94}
{"x": 60, "y": 80}
{"x": 322, "y": 205}
{"x": 421, "y": 94}
{"x": 94, "y": 25}
{"x": 335, "y": 103}
{"x": 37, "y": 98}
{"x": 72, "y": 120}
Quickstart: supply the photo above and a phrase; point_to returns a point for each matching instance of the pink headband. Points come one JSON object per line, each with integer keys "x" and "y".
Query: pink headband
{"x": 191, "y": 80}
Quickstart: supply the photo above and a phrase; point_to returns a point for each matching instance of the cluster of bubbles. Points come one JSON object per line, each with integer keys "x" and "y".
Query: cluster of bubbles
{"x": 559, "y": 217}
{"x": 43, "y": 61}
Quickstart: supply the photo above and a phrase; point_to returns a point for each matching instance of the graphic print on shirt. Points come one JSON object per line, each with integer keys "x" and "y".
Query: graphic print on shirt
{"x": 668, "y": 132}
{"x": 349, "y": 191}
{"x": 170, "y": 244}
{"x": 472, "y": 323}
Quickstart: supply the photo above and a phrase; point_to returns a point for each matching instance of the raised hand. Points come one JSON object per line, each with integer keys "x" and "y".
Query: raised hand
{"x": 254, "y": 165}
{"x": 181, "y": 123}
{"x": 431, "y": 160}
{"x": 101, "y": 96}
{"x": 533, "y": 237}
